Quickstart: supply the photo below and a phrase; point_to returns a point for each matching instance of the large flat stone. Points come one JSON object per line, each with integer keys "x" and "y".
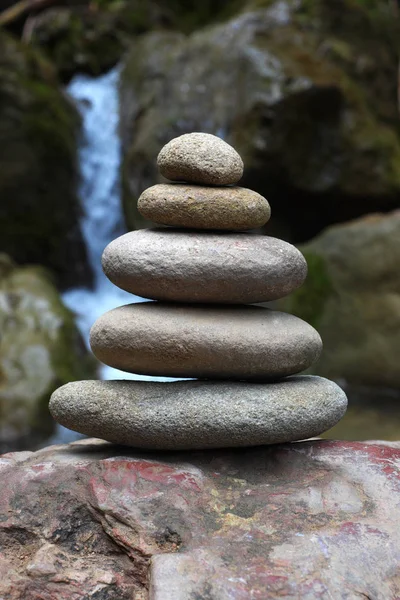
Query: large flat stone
{"x": 181, "y": 266}
{"x": 309, "y": 520}
{"x": 199, "y": 414}
{"x": 201, "y": 207}
{"x": 225, "y": 342}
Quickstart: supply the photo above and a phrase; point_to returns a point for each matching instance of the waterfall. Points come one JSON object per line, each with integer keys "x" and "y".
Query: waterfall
{"x": 100, "y": 194}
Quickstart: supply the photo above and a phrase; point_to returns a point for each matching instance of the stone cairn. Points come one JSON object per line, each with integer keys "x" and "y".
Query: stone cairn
{"x": 205, "y": 274}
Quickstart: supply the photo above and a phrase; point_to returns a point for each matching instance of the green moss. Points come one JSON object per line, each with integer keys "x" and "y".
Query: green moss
{"x": 50, "y": 122}
{"x": 69, "y": 359}
{"x": 38, "y": 165}
{"x": 308, "y": 301}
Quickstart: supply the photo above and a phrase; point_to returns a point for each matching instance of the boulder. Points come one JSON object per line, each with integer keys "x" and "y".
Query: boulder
{"x": 40, "y": 349}
{"x": 304, "y": 91}
{"x": 305, "y": 520}
{"x": 352, "y": 297}
{"x": 39, "y": 210}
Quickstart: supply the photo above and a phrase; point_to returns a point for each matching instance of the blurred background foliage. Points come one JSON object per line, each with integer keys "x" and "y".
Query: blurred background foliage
{"x": 308, "y": 93}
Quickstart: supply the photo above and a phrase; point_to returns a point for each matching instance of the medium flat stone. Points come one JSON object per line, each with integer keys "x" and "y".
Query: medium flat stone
{"x": 187, "y": 415}
{"x": 179, "y": 266}
{"x": 226, "y": 342}
{"x": 201, "y": 207}
{"x": 200, "y": 158}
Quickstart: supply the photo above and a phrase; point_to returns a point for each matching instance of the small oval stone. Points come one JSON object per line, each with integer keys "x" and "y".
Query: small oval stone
{"x": 201, "y": 207}
{"x": 200, "y": 158}
{"x": 228, "y": 342}
{"x": 179, "y": 266}
{"x": 187, "y": 415}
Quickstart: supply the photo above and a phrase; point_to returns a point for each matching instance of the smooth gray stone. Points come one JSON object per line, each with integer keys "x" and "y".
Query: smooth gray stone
{"x": 198, "y": 414}
{"x": 200, "y": 158}
{"x": 181, "y": 266}
{"x": 208, "y": 342}
{"x": 204, "y": 207}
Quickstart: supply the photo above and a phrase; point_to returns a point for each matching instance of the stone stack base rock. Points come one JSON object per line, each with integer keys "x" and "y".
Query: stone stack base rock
{"x": 203, "y": 271}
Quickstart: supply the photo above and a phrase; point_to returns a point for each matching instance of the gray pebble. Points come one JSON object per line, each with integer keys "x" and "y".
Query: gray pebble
{"x": 200, "y": 158}
{"x": 201, "y": 207}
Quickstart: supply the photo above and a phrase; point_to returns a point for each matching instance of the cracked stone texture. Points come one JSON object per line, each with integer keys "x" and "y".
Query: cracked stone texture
{"x": 201, "y": 207}
{"x": 309, "y": 520}
{"x": 199, "y": 414}
{"x": 181, "y": 266}
{"x": 200, "y": 158}
{"x": 207, "y": 342}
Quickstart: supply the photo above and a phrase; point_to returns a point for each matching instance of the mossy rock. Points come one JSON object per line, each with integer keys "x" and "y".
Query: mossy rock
{"x": 39, "y": 127}
{"x": 93, "y": 37}
{"x": 308, "y": 101}
{"x": 308, "y": 302}
{"x": 352, "y": 297}
{"x": 41, "y": 349}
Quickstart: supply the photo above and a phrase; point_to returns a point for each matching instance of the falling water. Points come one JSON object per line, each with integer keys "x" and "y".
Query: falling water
{"x": 100, "y": 195}
{"x": 102, "y": 221}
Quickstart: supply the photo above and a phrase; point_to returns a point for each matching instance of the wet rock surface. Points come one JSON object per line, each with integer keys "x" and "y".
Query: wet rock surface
{"x": 306, "y": 520}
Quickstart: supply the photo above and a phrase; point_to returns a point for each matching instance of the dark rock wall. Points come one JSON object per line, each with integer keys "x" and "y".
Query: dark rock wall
{"x": 304, "y": 91}
{"x": 39, "y": 209}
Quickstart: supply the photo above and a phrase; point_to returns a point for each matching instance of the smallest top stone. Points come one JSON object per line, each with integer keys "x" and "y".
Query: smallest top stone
{"x": 200, "y": 158}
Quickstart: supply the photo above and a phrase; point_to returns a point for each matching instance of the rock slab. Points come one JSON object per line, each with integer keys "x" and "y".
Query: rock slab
{"x": 200, "y": 207}
{"x": 308, "y": 520}
{"x": 177, "y": 266}
{"x": 197, "y": 414}
{"x": 200, "y": 158}
{"x": 219, "y": 342}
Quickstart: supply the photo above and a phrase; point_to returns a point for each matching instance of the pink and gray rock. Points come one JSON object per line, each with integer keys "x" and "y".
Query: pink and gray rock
{"x": 206, "y": 342}
{"x": 177, "y": 266}
{"x": 308, "y": 520}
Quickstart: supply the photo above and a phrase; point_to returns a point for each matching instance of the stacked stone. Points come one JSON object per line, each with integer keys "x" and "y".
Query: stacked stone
{"x": 204, "y": 272}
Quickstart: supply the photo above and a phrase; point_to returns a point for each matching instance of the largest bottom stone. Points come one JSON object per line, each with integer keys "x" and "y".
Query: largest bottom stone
{"x": 199, "y": 414}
